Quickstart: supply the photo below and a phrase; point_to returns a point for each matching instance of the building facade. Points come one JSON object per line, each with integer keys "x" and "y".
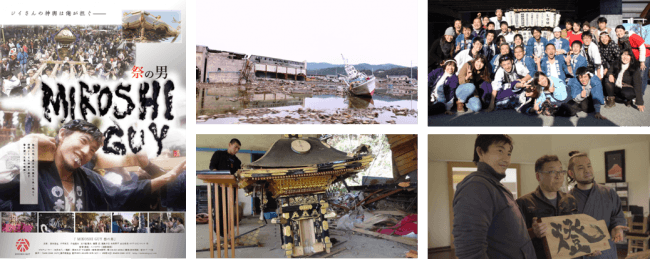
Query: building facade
{"x": 217, "y": 66}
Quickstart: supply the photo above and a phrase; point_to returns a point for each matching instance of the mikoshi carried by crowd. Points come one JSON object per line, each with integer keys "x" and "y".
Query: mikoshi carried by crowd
{"x": 30, "y": 54}
{"x": 523, "y": 61}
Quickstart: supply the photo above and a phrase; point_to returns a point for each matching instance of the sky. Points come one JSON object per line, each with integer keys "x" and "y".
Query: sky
{"x": 364, "y": 31}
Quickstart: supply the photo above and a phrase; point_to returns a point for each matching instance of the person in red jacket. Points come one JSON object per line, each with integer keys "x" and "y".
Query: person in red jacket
{"x": 628, "y": 39}
{"x": 575, "y": 33}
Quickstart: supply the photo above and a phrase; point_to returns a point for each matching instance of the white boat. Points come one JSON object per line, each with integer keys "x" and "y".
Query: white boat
{"x": 358, "y": 82}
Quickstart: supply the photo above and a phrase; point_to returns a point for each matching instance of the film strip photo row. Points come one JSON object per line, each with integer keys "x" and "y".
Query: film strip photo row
{"x": 93, "y": 222}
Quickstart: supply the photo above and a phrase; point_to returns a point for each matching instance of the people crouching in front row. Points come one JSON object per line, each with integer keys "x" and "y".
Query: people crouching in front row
{"x": 554, "y": 88}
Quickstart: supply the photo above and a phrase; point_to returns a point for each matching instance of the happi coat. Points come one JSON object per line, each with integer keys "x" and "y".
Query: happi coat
{"x": 92, "y": 192}
{"x": 602, "y": 204}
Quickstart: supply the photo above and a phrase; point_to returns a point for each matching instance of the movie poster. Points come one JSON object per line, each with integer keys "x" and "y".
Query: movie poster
{"x": 92, "y": 129}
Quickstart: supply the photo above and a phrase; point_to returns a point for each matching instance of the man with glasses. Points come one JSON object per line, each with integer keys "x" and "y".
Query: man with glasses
{"x": 546, "y": 201}
{"x": 597, "y": 201}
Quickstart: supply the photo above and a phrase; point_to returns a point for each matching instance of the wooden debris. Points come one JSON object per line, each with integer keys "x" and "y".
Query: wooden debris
{"x": 368, "y": 197}
{"x": 368, "y": 223}
{"x": 403, "y": 240}
{"x": 389, "y": 212}
{"x": 404, "y": 184}
{"x": 383, "y": 196}
{"x": 639, "y": 255}
{"x": 412, "y": 254}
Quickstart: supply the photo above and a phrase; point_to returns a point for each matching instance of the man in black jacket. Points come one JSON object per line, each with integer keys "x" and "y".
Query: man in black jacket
{"x": 487, "y": 220}
{"x": 442, "y": 49}
{"x": 226, "y": 160}
{"x": 546, "y": 201}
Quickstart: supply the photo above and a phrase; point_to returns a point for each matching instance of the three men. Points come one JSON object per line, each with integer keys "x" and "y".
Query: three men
{"x": 487, "y": 224}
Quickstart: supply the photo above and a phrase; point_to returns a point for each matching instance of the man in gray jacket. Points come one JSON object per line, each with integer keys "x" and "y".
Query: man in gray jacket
{"x": 487, "y": 220}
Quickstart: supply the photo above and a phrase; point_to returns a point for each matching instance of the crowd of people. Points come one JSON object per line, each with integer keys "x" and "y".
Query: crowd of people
{"x": 95, "y": 227}
{"x": 56, "y": 224}
{"x": 487, "y": 66}
{"x": 18, "y": 227}
{"x": 172, "y": 225}
{"x": 137, "y": 225}
{"x": 25, "y": 52}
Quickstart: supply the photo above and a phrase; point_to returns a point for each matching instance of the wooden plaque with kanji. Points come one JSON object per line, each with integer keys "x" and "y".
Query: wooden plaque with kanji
{"x": 571, "y": 236}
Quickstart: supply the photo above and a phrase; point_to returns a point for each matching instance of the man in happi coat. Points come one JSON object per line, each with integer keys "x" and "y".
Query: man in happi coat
{"x": 597, "y": 201}
{"x": 67, "y": 183}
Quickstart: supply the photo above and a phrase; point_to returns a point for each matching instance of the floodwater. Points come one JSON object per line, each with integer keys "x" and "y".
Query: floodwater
{"x": 228, "y": 105}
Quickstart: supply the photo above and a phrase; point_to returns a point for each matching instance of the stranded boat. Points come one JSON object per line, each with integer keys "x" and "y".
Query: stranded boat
{"x": 358, "y": 82}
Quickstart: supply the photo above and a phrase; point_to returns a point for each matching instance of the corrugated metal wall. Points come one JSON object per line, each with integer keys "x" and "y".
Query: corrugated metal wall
{"x": 633, "y": 8}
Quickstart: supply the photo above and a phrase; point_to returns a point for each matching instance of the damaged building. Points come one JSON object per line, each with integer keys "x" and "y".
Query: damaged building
{"x": 218, "y": 66}
{"x": 292, "y": 199}
{"x": 268, "y": 67}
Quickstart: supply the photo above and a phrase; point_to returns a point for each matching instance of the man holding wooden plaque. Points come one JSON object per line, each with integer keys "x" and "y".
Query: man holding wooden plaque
{"x": 546, "y": 201}
{"x": 597, "y": 201}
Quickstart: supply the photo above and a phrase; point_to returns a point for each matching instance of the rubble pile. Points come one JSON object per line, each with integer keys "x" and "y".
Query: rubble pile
{"x": 340, "y": 116}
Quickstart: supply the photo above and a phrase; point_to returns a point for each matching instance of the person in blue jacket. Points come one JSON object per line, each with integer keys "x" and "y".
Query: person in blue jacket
{"x": 464, "y": 40}
{"x": 562, "y": 46}
{"x": 489, "y": 46}
{"x": 536, "y": 44}
{"x": 577, "y": 59}
{"x": 547, "y": 90}
{"x": 587, "y": 96}
{"x": 552, "y": 66}
{"x": 116, "y": 227}
{"x": 523, "y": 62}
{"x": 477, "y": 28}
{"x": 22, "y": 58}
{"x": 518, "y": 40}
{"x": 504, "y": 49}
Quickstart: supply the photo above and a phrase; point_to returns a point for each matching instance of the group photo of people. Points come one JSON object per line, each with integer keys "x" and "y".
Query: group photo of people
{"x": 93, "y": 222}
{"x": 573, "y": 68}
{"x": 19, "y": 222}
{"x": 130, "y": 222}
{"x": 32, "y": 53}
{"x": 167, "y": 222}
